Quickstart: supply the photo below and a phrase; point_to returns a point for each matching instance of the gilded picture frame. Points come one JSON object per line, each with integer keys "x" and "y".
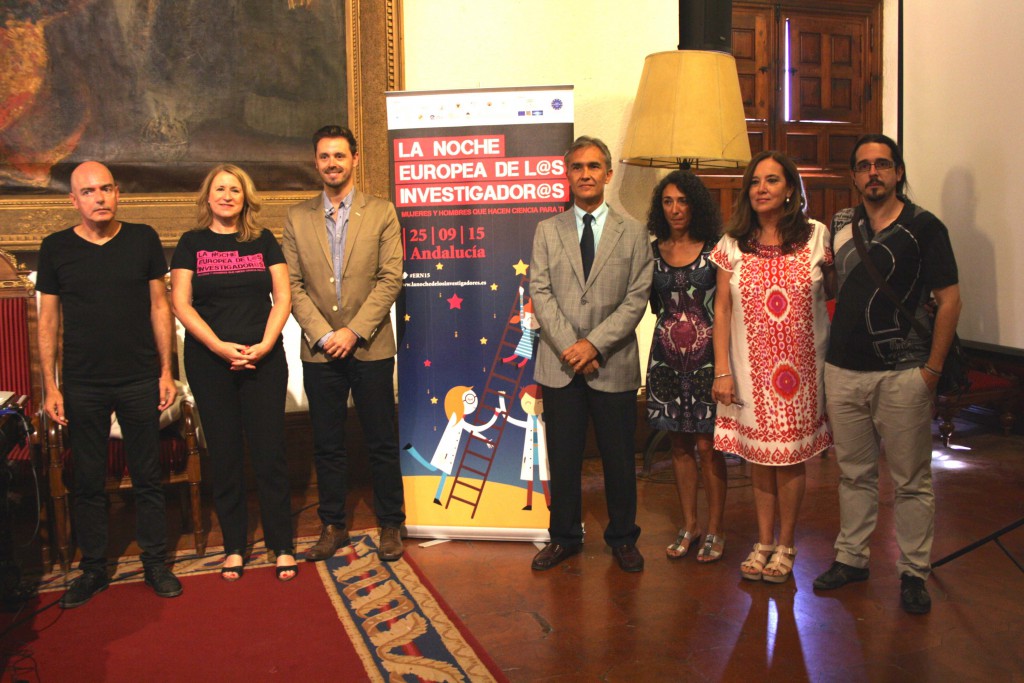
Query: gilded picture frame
{"x": 373, "y": 66}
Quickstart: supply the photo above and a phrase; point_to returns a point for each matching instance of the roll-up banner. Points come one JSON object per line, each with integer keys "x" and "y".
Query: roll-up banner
{"x": 473, "y": 172}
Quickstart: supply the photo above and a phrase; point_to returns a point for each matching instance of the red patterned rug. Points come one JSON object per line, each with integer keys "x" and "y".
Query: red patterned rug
{"x": 352, "y": 618}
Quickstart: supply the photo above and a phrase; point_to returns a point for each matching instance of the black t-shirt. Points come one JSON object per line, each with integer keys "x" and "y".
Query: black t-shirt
{"x": 105, "y": 299}
{"x": 231, "y": 285}
{"x": 914, "y": 254}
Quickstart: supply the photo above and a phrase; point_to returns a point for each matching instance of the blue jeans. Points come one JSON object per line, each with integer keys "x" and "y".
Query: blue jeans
{"x": 88, "y": 409}
{"x": 372, "y": 387}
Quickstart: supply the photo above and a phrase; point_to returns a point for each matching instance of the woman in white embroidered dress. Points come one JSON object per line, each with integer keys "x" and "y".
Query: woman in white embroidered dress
{"x": 770, "y": 335}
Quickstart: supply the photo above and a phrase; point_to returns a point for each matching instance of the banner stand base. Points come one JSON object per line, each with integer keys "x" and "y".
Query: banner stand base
{"x": 468, "y": 533}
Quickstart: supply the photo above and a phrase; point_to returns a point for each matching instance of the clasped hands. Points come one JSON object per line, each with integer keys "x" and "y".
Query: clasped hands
{"x": 242, "y": 356}
{"x": 341, "y": 344}
{"x": 581, "y": 357}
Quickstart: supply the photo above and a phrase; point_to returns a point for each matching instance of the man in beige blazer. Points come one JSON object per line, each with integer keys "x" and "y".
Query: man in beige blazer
{"x": 344, "y": 253}
{"x": 590, "y": 275}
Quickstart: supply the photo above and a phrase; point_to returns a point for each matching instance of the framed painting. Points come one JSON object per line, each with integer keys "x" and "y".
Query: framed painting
{"x": 162, "y": 91}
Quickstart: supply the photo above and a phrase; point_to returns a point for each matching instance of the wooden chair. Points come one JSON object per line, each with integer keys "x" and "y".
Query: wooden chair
{"x": 988, "y": 388}
{"x": 179, "y": 458}
{"x": 19, "y": 373}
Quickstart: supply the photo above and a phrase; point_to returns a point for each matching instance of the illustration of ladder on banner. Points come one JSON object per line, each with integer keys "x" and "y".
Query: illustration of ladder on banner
{"x": 504, "y": 380}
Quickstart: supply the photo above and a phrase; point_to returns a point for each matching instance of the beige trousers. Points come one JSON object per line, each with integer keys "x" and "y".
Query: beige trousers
{"x": 867, "y": 409}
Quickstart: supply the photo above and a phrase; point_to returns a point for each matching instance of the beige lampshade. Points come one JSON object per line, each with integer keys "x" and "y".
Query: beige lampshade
{"x": 688, "y": 111}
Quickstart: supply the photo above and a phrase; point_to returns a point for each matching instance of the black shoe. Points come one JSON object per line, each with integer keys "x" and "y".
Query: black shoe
{"x": 629, "y": 558}
{"x": 162, "y": 581}
{"x": 838, "y": 575}
{"x": 83, "y": 588}
{"x": 914, "y": 598}
{"x": 553, "y": 554}
{"x": 282, "y": 569}
{"x": 238, "y": 570}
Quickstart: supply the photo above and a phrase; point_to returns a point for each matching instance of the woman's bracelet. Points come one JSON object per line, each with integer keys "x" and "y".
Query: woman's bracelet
{"x": 935, "y": 372}
{"x": 728, "y": 374}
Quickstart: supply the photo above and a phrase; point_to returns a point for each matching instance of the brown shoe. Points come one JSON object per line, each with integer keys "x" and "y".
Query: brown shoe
{"x": 391, "y": 547}
{"x": 331, "y": 538}
{"x": 553, "y": 554}
{"x": 629, "y": 558}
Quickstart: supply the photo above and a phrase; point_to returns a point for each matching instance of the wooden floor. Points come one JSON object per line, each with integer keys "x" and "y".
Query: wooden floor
{"x": 681, "y": 621}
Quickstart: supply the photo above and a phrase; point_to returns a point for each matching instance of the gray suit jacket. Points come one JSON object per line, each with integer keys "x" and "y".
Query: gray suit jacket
{"x": 605, "y": 309}
{"x": 371, "y": 277}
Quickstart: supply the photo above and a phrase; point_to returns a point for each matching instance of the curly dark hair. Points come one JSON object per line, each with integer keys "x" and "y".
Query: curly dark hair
{"x": 705, "y": 219}
{"x": 794, "y": 226}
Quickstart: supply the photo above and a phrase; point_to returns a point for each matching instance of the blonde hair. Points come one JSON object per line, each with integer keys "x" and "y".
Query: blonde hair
{"x": 248, "y": 228}
{"x": 453, "y": 404}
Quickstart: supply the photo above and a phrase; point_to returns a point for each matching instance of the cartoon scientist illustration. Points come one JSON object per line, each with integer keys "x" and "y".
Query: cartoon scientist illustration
{"x": 535, "y": 450}
{"x": 459, "y": 402}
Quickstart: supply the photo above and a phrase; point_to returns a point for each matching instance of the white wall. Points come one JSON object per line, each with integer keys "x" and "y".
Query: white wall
{"x": 890, "y": 67}
{"x": 965, "y": 152}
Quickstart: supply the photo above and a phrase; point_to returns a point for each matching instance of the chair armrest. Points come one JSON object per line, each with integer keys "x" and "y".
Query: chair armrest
{"x": 54, "y": 435}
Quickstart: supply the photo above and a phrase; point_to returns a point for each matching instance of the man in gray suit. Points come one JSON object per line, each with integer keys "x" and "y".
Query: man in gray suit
{"x": 590, "y": 276}
{"x": 344, "y": 253}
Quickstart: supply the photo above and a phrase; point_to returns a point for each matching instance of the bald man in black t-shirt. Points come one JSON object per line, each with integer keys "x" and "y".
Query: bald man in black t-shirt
{"x": 107, "y": 279}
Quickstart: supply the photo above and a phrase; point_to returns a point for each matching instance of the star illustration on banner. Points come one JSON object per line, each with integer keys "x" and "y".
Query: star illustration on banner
{"x": 483, "y": 341}
{"x": 408, "y": 317}
{"x": 494, "y": 287}
{"x": 455, "y": 302}
{"x": 439, "y": 265}
{"x": 433, "y": 400}
{"x": 520, "y": 267}
{"x": 426, "y": 363}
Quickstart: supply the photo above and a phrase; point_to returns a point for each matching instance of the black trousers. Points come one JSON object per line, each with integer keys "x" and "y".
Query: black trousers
{"x": 371, "y": 384}
{"x": 566, "y": 412}
{"x": 88, "y": 408}
{"x": 250, "y": 403}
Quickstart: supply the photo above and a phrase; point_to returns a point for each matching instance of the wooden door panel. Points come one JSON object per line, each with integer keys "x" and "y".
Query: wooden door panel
{"x": 835, "y": 56}
{"x": 827, "y": 68}
{"x": 751, "y": 46}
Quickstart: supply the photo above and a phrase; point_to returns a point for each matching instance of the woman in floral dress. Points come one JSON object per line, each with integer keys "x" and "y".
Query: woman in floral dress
{"x": 685, "y": 223}
{"x": 771, "y": 330}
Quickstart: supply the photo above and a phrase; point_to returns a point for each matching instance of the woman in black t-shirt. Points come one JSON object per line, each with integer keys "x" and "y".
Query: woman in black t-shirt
{"x": 230, "y": 290}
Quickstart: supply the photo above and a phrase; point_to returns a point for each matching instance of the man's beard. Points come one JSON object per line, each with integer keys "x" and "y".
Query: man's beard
{"x": 335, "y": 184}
{"x": 868, "y": 195}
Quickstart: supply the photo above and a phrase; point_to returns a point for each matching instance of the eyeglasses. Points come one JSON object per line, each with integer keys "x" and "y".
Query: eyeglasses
{"x": 879, "y": 164}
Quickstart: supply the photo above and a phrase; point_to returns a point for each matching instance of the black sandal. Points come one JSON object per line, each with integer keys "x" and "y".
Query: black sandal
{"x": 281, "y": 569}
{"x": 238, "y": 569}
